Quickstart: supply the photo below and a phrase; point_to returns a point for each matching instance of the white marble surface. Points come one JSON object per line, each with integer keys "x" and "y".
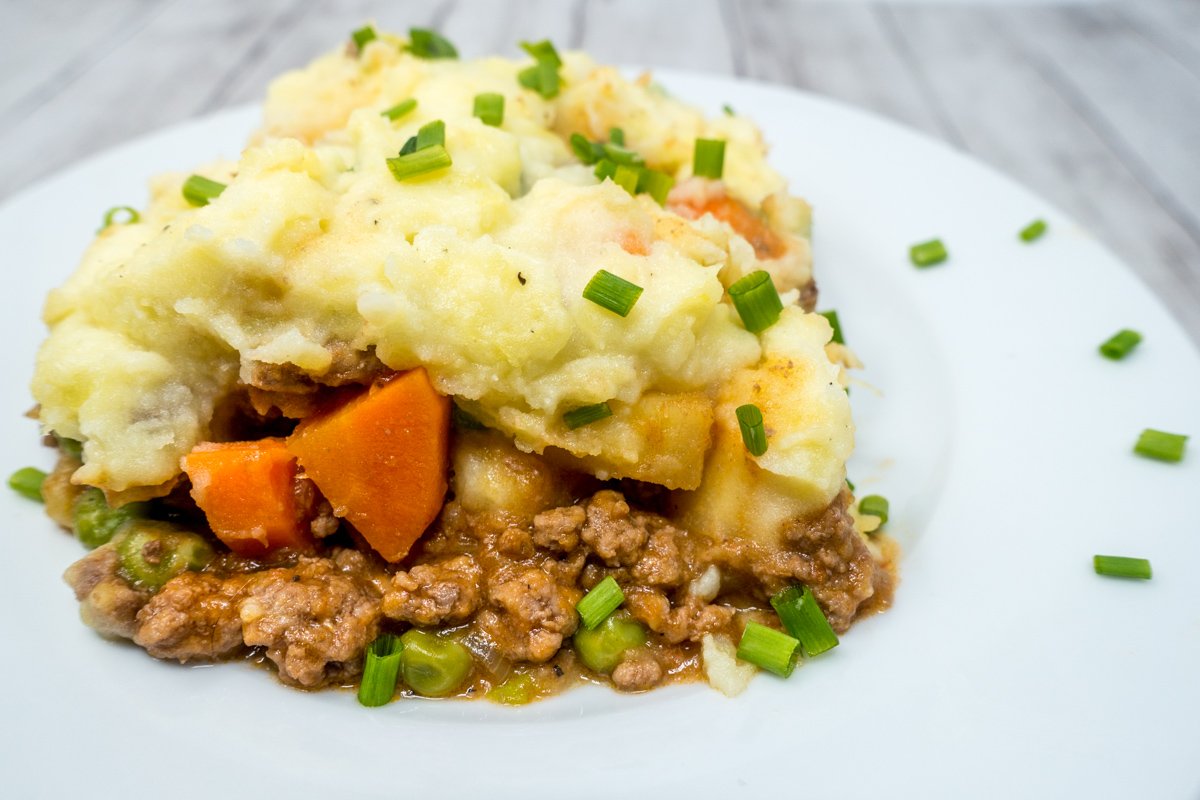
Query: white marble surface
{"x": 1096, "y": 106}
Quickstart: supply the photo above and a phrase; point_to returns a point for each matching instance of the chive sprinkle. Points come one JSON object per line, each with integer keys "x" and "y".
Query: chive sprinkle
{"x": 616, "y": 136}
{"x": 835, "y": 323}
{"x": 409, "y": 147}
{"x": 754, "y": 433}
{"x": 200, "y": 191}
{"x": 612, "y": 292}
{"x": 410, "y": 165}
{"x": 401, "y": 109}
{"x": 708, "y": 159}
{"x": 542, "y": 51}
{"x": 627, "y": 177}
{"x": 425, "y": 43}
{"x": 431, "y": 133}
{"x": 543, "y": 76}
{"x": 728, "y": 109}
{"x": 1033, "y": 230}
{"x": 803, "y": 619}
{"x": 380, "y": 671}
{"x": 756, "y": 300}
{"x": 926, "y": 254}
{"x": 1161, "y": 445}
{"x": 605, "y": 168}
{"x": 587, "y": 152}
{"x": 850, "y": 483}
{"x": 875, "y": 505}
{"x": 586, "y": 415}
{"x": 595, "y": 606}
{"x": 27, "y": 482}
{"x": 622, "y": 155}
{"x": 111, "y": 216}
{"x": 656, "y": 184}
{"x": 489, "y": 107}
{"x": 1122, "y": 567}
{"x": 1120, "y": 344}
{"x": 768, "y": 648}
{"x": 361, "y": 36}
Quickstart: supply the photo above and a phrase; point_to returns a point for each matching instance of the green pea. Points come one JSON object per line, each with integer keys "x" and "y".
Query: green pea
{"x": 518, "y": 690}
{"x": 601, "y": 648}
{"x": 96, "y": 522}
{"x": 150, "y": 553}
{"x": 433, "y": 665}
{"x": 27, "y": 481}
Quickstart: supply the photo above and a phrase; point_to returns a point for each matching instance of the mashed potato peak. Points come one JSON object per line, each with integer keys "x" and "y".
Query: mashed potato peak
{"x": 315, "y": 254}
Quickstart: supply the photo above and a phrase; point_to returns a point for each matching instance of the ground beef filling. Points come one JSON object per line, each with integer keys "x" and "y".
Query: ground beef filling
{"x": 505, "y": 587}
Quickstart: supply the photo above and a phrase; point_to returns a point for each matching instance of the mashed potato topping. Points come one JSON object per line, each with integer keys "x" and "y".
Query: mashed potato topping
{"x": 316, "y": 254}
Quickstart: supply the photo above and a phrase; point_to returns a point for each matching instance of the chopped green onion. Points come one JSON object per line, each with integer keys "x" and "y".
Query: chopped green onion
{"x": 754, "y": 434}
{"x": 587, "y": 152}
{"x": 431, "y": 133}
{"x": 756, "y": 300}
{"x": 605, "y": 168}
{"x": 875, "y": 505}
{"x": 1033, "y": 230}
{"x": 768, "y": 648}
{"x": 361, "y": 36}
{"x": 420, "y": 162}
{"x": 489, "y": 107}
{"x": 656, "y": 184}
{"x": 708, "y": 160}
{"x": 1122, "y": 567}
{"x": 199, "y": 191}
{"x": 542, "y": 51}
{"x": 612, "y": 292}
{"x": 595, "y": 606}
{"x": 409, "y": 147}
{"x": 401, "y": 109}
{"x": 850, "y": 483}
{"x": 425, "y": 43}
{"x": 627, "y": 177}
{"x": 623, "y": 155}
{"x": 926, "y": 254}
{"x": 802, "y": 618}
{"x": 27, "y": 481}
{"x": 836, "y": 324}
{"x": 1120, "y": 344}
{"x": 586, "y": 415}
{"x": 728, "y": 109}
{"x": 542, "y": 78}
{"x": 616, "y": 136}
{"x": 1161, "y": 445}
{"x": 110, "y": 216}
{"x": 381, "y": 670}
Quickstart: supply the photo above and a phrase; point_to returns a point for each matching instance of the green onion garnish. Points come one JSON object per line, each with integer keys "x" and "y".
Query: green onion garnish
{"x": 623, "y": 155}
{"x": 616, "y": 136}
{"x": 728, "y": 109}
{"x": 431, "y": 133}
{"x": 595, "y": 606}
{"x": 586, "y": 415}
{"x": 27, "y": 481}
{"x": 424, "y": 43}
{"x": 612, "y": 292}
{"x": 627, "y": 177}
{"x": 605, "y": 168}
{"x": 768, "y": 648}
{"x": 410, "y": 165}
{"x": 199, "y": 191}
{"x": 403, "y": 108}
{"x": 835, "y": 323}
{"x": 1120, "y": 344}
{"x": 875, "y": 505}
{"x": 361, "y": 36}
{"x": 708, "y": 161}
{"x": 1033, "y": 230}
{"x": 1122, "y": 567}
{"x": 409, "y": 147}
{"x": 542, "y": 51}
{"x": 926, "y": 254}
{"x": 1161, "y": 445}
{"x": 587, "y": 152}
{"x": 110, "y": 216}
{"x": 802, "y": 618}
{"x": 756, "y": 300}
{"x": 850, "y": 483}
{"x": 489, "y": 107}
{"x": 754, "y": 434}
{"x": 542, "y": 78}
{"x": 656, "y": 184}
{"x": 380, "y": 671}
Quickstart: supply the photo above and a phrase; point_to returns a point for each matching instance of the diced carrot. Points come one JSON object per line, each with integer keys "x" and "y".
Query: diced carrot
{"x": 246, "y": 490}
{"x": 766, "y": 243}
{"x": 381, "y": 459}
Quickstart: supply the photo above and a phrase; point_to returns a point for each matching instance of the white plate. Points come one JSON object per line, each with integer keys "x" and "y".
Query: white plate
{"x": 1006, "y": 668}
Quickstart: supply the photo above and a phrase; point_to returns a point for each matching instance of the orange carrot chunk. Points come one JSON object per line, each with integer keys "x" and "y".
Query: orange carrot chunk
{"x": 381, "y": 460}
{"x": 245, "y": 489}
